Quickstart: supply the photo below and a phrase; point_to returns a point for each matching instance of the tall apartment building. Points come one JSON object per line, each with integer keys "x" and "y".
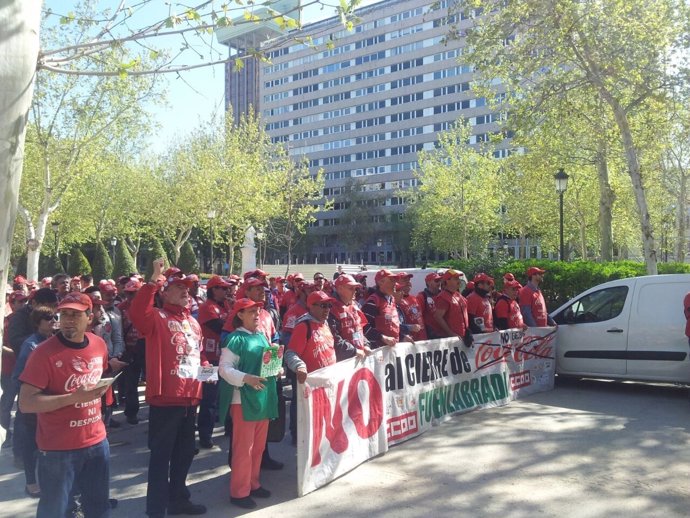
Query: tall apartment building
{"x": 361, "y": 110}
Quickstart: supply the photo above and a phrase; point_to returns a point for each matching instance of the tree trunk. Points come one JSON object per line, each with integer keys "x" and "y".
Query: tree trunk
{"x": 606, "y": 199}
{"x": 634, "y": 170}
{"x": 681, "y": 214}
{"x": 19, "y": 44}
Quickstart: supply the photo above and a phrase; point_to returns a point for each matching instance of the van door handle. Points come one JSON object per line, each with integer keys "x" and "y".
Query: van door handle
{"x": 614, "y": 330}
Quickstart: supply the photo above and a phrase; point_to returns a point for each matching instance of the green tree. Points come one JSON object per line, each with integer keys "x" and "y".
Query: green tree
{"x": 616, "y": 51}
{"x": 124, "y": 263}
{"x": 456, "y": 206}
{"x": 188, "y": 262}
{"x": 156, "y": 251}
{"x": 102, "y": 265}
{"x": 78, "y": 263}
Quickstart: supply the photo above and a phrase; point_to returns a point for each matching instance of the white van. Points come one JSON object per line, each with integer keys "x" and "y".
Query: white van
{"x": 626, "y": 329}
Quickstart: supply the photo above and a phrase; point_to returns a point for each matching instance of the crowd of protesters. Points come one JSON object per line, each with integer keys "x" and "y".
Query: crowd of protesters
{"x": 64, "y": 335}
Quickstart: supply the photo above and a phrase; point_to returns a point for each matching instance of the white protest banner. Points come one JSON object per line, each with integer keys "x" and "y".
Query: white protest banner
{"x": 353, "y": 410}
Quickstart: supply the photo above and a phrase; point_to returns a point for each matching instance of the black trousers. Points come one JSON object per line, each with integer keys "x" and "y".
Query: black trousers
{"x": 171, "y": 441}
{"x": 132, "y": 374}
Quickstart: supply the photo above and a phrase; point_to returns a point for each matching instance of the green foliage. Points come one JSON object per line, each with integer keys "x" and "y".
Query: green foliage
{"x": 155, "y": 251}
{"x": 21, "y": 265}
{"x": 102, "y": 265}
{"x": 188, "y": 262}
{"x": 563, "y": 280}
{"x": 78, "y": 263}
{"x": 124, "y": 263}
{"x": 49, "y": 265}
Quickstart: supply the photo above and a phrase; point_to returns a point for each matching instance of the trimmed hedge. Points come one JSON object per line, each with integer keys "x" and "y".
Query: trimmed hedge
{"x": 124, "y": 263}
{"x": 78, "y": 263}
{"x": 563, "y": 280}
{"x": 102, "y": 266}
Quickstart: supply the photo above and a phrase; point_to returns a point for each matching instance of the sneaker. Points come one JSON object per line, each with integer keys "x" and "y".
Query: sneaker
{"x": 245, "y": 503}
{"x": 186, "y": 507}
{"x": 271, "y": 465}
{"x": 260, "y": 492}
{"x": 132, "y": 419}
{"x": 7, "y": 442}
{"x": 206, "y": 444}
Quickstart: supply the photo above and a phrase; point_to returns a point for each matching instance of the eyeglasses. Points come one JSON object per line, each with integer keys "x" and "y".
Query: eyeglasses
{"x": 319, "y": 278}
{"x": 56, "y": 318}
{"x": 325, "y": 306}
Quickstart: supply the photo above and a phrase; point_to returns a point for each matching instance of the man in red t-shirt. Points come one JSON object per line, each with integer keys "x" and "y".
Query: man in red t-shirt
{"x": 507, "y": 313}
{"x": 532, "y": 302}
{"x": 425, "y": 300}
{"x": 212, "y": 316}
{"x": 479, "y": 309}
{"x": 451, "y": 308}
{"x": 58, "y": 385}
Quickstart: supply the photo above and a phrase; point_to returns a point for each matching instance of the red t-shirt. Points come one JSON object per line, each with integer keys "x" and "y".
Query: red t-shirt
{"x": 318, "y": 351}
{"x": 510, "y": 310}
{"x": 292, "y": 315}
{"x": 57, "y": 369}
{"x": 535, "y": 300}
{"x": 454, "y": 306}
{"x": 208, "y": 311}
{"x": 480, "y": 309}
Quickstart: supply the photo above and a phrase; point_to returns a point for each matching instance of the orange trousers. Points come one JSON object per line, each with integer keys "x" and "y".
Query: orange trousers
{"x": 248, "y": 444}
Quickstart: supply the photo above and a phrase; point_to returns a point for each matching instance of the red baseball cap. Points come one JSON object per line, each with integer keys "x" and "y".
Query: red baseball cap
{"x": 217, "y": 281}
{"x": 512, "y": 284}
{"x": 107, "y": 287}
{"x": 193, "y": 277}
{"x": 450, "y": 274}
{"x": 508, "y": 277}
{"x": 241, "y": 304}
{"x": 433, "y": 276}
{"x": 360, "y": 276}
{"x": 345, "y": 279}
{"x": 383, "y": 273}
{"x": 297, "y": 277}
{"x": 482, "y": 277}
{"x": 255, "y": 273}
{"x": 533, "y": 270}
{"x": 19, "y": 279}
{"x": 76, "y": 300}
{"x": 254, "y": 281}
{"x": 46, "y": 282}
{"x": 317, "y": 297}
{"x": 133, "y": 285}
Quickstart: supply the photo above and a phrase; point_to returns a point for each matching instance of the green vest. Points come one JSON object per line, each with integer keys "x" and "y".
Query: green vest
{"x": 256, "y": 404}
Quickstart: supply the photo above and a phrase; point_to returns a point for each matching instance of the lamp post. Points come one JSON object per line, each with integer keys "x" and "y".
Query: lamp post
{"x": 379, "y": 244}
{"x": 211, "y": 214}
{"x": 260, "y": 237}
{"x": 113, "y": 244}
{"x": 561, "y": 186}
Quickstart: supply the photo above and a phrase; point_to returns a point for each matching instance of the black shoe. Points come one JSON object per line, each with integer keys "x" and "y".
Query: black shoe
{"x": 8, "y": 441}
{"x": 270, "y": 464}
{"x": 186, "y": 507}
{"x": 112, "y": 502}
{"x": 260, "y": 493}
{"x": 132, "y": 419}
{"x": 207, "y": 444}
{"x": 114, "y": 424}
{"x": 245, "y": 503}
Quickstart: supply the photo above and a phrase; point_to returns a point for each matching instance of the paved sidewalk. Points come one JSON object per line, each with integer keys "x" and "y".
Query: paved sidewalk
{"x": 586, "y": 449}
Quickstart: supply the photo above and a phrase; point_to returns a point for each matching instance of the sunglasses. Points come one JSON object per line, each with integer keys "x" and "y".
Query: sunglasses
{"x": 325, "y": 306}
{"x": 319, "y": 278}
{"x": 56, "y": 318}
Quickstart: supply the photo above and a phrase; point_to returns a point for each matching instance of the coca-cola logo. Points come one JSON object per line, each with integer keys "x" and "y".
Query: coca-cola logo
{"x": 532, "y": 347}
{"x": 74, "y": 381}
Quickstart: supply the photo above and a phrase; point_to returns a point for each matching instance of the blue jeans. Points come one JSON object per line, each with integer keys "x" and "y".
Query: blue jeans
{"x": 171, "y": 441}
{"x": 64, "y": 473}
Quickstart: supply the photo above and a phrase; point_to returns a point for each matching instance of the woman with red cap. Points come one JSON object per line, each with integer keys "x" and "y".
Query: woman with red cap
{"x": 251, "y": 397}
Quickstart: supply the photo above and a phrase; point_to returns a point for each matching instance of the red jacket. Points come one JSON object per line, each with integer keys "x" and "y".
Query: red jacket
{"x": 507, "y": 313}
{"x": 533, "y": 300}
{"x": 382, "y": 318}
{"x": 351, "y": 322}
{"x": 208, "y": 311}
{"x": 686, "y": 310}
{"x": 173, "y": 350}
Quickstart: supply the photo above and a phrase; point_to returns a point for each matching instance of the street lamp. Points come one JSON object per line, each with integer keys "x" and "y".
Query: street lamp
{"x": 211, "y": 214}
{"x": 113, "y": 244}
{"x": 379, "y": 244}
{"x": 561, "y": 186}
{"x": 260, "y": 237}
